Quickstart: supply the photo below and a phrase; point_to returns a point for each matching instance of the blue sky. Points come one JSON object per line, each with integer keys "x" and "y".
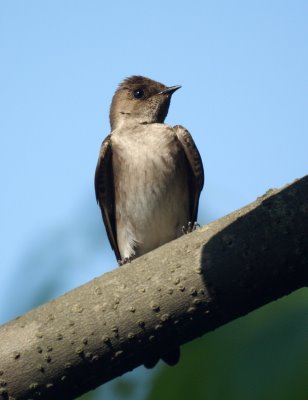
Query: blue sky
{"x": 243, "y": 70}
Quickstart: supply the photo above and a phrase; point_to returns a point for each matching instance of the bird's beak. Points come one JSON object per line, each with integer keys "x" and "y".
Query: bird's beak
{"x": 170, "y": 90}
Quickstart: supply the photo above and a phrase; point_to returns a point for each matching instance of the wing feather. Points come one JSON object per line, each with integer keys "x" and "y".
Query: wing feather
{"x": 196, "y": 174}
{"x": 104, "y": 190}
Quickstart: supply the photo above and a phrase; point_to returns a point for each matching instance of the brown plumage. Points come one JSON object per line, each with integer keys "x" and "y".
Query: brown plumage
{"x": 149, "y": 175}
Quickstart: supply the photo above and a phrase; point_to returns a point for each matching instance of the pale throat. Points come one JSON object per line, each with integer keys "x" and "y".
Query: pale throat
{"x": 125, "y": 119}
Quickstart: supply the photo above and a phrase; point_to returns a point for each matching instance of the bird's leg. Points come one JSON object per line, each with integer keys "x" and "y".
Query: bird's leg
{"x": 190, "y": 227}
{"x": 124, "y": 260}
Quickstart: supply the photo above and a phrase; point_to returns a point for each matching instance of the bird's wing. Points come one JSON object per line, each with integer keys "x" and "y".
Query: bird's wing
{"x": 196, "y": 174}
{"x": 104, "y": 190}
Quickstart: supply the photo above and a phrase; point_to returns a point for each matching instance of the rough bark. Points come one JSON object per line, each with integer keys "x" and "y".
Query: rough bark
{"x": 165, "y": 298}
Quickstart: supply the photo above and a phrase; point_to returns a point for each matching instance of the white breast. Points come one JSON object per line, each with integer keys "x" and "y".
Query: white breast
{"x": 151, "y": 187}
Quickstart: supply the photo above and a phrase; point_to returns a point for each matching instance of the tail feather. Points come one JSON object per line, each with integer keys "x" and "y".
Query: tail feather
{"x": 171, "y": 358}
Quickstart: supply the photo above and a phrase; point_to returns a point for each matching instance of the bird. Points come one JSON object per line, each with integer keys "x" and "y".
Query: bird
{"x": 149, "y": 175}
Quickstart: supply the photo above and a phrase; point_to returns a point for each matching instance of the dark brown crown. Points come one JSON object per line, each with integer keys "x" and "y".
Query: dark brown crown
{"x": 135, "y": 81}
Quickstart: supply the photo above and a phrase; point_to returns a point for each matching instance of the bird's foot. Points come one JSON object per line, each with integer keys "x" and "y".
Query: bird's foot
{"x": 125, "y": 260}
{"x": 190, "y": 227}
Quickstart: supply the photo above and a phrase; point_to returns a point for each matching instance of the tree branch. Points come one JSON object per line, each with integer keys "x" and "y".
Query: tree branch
{"x": 165, "y": 298}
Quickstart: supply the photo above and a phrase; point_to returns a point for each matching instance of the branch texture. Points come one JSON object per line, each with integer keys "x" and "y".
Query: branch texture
{"x": 165, "y": 298}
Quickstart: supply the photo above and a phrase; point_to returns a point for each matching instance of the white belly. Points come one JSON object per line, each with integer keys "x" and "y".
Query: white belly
{"x": 152, "y": 202}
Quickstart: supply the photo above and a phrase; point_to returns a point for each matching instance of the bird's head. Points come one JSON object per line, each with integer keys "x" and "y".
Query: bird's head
{"x": 140, "y": 100}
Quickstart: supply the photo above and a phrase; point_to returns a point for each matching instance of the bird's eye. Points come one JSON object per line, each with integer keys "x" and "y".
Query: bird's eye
{"x": 138, "y": 93}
